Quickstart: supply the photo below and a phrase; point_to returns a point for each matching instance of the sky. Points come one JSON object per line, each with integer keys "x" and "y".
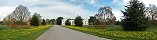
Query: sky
{"x": 66, "y": 8}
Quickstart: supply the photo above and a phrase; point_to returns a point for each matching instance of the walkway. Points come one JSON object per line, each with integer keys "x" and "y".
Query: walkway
{"x": 60, "y": 33}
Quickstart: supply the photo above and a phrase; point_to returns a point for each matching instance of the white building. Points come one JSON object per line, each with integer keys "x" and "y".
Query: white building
{"x": 85, "y": 21}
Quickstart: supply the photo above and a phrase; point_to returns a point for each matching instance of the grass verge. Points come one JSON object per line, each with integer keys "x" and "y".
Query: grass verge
{"x": 116, "y": 33}
{"x": 22, "y": 34}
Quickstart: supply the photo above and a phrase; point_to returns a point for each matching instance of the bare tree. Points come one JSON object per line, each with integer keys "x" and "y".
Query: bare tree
{"x": 20, "y": 16}
{"x": 152, "y": 12}
{"x": 105, "y": 14}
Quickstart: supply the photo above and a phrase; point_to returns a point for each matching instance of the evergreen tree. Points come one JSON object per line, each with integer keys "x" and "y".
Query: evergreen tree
{"x": 35, "y": 21}
{"x": 134, "y": 18}
{"x": 78, "y": 21}
{"x": 43, "y": 22}
{"x": 67, "y": 22}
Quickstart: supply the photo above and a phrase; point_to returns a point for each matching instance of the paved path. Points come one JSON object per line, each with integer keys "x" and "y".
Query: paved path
{"x": 60, "y": 33}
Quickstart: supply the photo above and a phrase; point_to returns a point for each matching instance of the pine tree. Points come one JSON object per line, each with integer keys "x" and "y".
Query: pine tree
{"x": 134, "y": 18}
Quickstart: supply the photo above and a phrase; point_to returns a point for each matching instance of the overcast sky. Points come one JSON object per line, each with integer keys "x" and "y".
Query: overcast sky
{"x": 66, "y": 8}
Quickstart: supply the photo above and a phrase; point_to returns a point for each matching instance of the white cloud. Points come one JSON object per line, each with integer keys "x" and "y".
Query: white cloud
{"x": 91, "y": 2}
{"x": 53, "y": 9}
{"x": 5, "y": 10}
{"x": 66, "y": 10}
{"x": 116, "y": 1}
{"x": 117, "y": 13}
{"x": 146, "y": 2}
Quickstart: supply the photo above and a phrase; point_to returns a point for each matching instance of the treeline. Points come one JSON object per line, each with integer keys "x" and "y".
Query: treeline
{"x": 78, "y": 21}
{"x": 21, "y": 17}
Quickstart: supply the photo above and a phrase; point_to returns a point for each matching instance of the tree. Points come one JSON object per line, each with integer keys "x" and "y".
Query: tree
{"x": 52, "y": 21}
{"x": 59, "y": 20}
{"x": 78, "y": 21}
{"x": 35, "y": 21}
{"x": 91, "y": 20}
{"x": 67, "y": 22}
{"x": 21, "y": 14}
{"x": 134, "y": 17}
{"x": 19, "y": 17}
{"x": 43, "y": 22}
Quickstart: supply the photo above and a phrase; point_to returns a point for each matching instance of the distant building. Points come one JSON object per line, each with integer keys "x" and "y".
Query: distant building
{"x": 85, "y": 21}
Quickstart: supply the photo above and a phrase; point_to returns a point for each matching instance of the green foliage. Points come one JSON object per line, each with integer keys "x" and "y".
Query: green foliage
{"x": 43, "y": 22}
{"x": 67, "y": 22}
{"x": 78, "y": 21}
{"x": 134, "y": 17}
{"x": 35, "y": 21}
{"x": 59, "y": 20}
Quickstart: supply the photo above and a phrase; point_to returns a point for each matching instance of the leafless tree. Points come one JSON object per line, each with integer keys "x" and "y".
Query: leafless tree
{"x": 151, "y": 12}
{"x": 19, "y": 16}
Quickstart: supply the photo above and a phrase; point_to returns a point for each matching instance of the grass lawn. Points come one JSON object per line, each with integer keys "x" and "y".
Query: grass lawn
{"x": 115, "y": 32}
{"x": 31, "y": 33}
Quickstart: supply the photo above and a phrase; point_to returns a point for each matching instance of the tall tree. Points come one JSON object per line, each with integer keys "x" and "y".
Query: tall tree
{"x": 35, "y": 20}
{"x": 59, "y": 20}
{"x": 78, "y": 21}
{"x": 134, "y": 17}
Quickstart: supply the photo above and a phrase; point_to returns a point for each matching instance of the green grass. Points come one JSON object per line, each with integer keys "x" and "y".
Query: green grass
{"x": 31, "y": 33}
{"x": 115, "y": 32}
